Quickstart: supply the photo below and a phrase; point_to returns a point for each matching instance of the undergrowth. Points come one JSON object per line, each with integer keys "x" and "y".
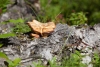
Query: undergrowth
{"x": 75, "y": 60}
{"x": 19, "y": 28}
{"x": 9, "y": 62}
{"x": 65, "y": 7}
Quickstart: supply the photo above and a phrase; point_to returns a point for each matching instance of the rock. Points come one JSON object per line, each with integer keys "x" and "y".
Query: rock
{"x": 18, "y": 9}
{"x": 46, "y": 48}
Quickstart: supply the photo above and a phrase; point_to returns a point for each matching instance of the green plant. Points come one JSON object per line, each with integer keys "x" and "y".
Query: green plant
{"x": 67, "y": 7}
{"x": 3, "y": 5}
{"x": 20, "y": 27}
{"x": 39, "y": 64}
{"x": 11, "y": 63}
{"x": 50, "y": 12}
{"x": 95, "y": 17}
{"x": 1, "y": 45}
{"x": 96, "y": 60}
{"x": 2, "y": 55}
{"x": 77, "y": 18}
{"x": 7, "y": 35}
{"x": 73, "y": 61}
{"x": 53, "y": 62}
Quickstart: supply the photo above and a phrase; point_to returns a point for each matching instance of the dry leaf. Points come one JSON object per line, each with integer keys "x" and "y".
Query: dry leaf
{"x": 42, "y": 29}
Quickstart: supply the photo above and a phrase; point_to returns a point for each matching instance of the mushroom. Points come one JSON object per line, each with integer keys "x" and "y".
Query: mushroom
{"x": 41, "y": 29}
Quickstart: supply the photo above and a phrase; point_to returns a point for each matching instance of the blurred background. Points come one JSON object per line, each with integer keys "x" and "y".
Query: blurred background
{"x": 72, "y": 12}
{"x": 81, "y": 11}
